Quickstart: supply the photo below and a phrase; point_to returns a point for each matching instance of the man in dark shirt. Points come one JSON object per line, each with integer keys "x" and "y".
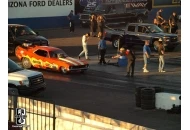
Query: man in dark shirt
{"x": 173, "y": 22}
{"x": 159, "y": 17}
{"x": 102, "y": 49}
{"x": 131, "y": 62}
{"x": 71, "y": 21}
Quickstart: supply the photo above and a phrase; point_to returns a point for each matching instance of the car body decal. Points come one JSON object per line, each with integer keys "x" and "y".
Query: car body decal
{"x": 75, "y": 60}
{"x": 68, "y": 61}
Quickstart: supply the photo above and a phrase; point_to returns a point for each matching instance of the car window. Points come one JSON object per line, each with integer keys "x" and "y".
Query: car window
{"x": 131, "y": 28}
{"x": 142, "y": 29}
{"x": 42, "y": 53}
{"x": 154, "y": 29}
{"x": 53, "y": 54}
{"x": 22, "y": 30}
{"x": 112, "y": 9}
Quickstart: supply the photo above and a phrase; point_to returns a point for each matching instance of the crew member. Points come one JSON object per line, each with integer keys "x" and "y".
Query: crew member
{"x": 173, "y": 22}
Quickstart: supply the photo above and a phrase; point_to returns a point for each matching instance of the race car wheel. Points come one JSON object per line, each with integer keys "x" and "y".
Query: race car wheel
{"x": 156, "y": 45}
{"x": 63, "y": 70}
{"x": 26, "y": 63}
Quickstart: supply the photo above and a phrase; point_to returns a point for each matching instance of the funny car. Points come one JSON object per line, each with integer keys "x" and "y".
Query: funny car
{"x": 50, "y": 58}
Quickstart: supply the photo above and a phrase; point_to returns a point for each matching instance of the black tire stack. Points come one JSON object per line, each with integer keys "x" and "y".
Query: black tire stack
{"x": 148, "y": 98}
{"x": 138, "y": 96}
{"x": 145, "y": 97}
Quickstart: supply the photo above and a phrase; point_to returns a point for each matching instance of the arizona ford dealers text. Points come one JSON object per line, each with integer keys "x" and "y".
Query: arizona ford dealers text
{"x": 39, "y": 3}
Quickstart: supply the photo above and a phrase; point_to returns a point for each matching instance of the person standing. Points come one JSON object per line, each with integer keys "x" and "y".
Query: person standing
{"x": 100, "y": 24}
{"x": 71, "y": 21}
{"x": 159, "y": 18}
{"x": 84, "y": 45}
{"x": 131, "y": 62}
{"x": 161, "y": 56}
{"x": 93, "y": 25}
{"x": 146, "y": 55}
{"x": 173, "y": 22}
{"x": 102, "y": 49}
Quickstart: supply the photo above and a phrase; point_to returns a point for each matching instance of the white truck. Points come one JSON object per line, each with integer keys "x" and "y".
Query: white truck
{"x": 22, "y": 81}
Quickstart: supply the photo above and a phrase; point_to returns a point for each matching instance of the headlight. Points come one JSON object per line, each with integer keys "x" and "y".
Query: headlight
{"x": 27, "y": 44}
{"x": 24, "y": 82}
{"x": 166, "y": 39}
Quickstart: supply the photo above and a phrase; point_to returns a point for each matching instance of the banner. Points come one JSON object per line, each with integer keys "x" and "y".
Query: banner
{"x": 39, "y": 8}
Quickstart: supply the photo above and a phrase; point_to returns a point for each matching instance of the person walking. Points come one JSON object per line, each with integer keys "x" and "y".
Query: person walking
{"x": 173, "y": 23}
{"x": 71, "y": 21}
{"x": 84, "y": 45}
{"x": 93, "y": 24}
{"x": 146, "y": 55}
{"x": 100, "y": 24}
{"x": 161, "y": 56}
{"x": 102, "y": 49}
{"x": 159, "y": 18}
{"x": 130, "y": 62}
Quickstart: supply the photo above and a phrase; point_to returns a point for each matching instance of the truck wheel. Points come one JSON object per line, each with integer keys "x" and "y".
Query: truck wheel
{"x": 26, "y": 63}
{"x": 63, "y": 70}
{"x": 156, "y": 45}
{"x": 12, "y": 90}
{"x": 140, "y": 19}
{"x": 115, "y": 42}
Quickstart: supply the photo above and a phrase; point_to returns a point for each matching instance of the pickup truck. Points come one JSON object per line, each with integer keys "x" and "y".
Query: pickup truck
{"x": 115, "y": 13}
{"x": 24, "y": 82}
{"x": 136, "y": 33}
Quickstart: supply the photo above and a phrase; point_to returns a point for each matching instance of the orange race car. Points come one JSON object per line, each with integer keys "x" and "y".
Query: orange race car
{"x": 47, "y": 57}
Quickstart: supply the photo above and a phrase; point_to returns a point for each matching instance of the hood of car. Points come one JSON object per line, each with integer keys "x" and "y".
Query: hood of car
{"x": 31, "y": 38}
{"x": 72, "y": 61}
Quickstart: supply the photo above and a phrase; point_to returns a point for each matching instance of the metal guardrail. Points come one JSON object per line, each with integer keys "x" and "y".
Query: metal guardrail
{"x": 34, "y": 112}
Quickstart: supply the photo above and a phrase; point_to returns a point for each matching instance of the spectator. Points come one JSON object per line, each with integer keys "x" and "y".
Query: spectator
{"x": 146, "y": 55}
{"x": 100, "y": 24}
{"x": 131, "y": 62}
{"x": 102, "y": 49}
{"x": 161, "y": 56}
{"x": 71, "y": 21}
{"x": 84, "y": 45}
{"x": 93, "y": 25}
{"x": 173, "y": 22}
{"x": 159, "y": 17}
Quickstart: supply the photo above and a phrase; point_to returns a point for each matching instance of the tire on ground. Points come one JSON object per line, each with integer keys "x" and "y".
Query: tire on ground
{"x": 148, "y": 91}
{"x": 62, "y": 69}
{"x": 138, "y": 96}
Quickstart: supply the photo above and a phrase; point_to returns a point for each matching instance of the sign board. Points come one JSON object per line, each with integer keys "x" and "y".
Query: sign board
{"x": 39, "y": 8}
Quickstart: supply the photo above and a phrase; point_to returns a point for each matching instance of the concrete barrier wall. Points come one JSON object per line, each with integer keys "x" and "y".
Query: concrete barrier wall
{"x": 67, "y": 118}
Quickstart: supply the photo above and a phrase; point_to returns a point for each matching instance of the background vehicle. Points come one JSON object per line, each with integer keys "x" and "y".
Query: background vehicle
{"x": 136, "y": 33}
{"x": 115, "y": 14}
{"x": 22, "y": 81}
{"x": 22, "y": 35}
{"x": 50, "y": 58}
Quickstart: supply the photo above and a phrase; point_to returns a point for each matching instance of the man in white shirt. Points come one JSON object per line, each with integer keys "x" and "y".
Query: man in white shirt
{"x": 84, "y": 45}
